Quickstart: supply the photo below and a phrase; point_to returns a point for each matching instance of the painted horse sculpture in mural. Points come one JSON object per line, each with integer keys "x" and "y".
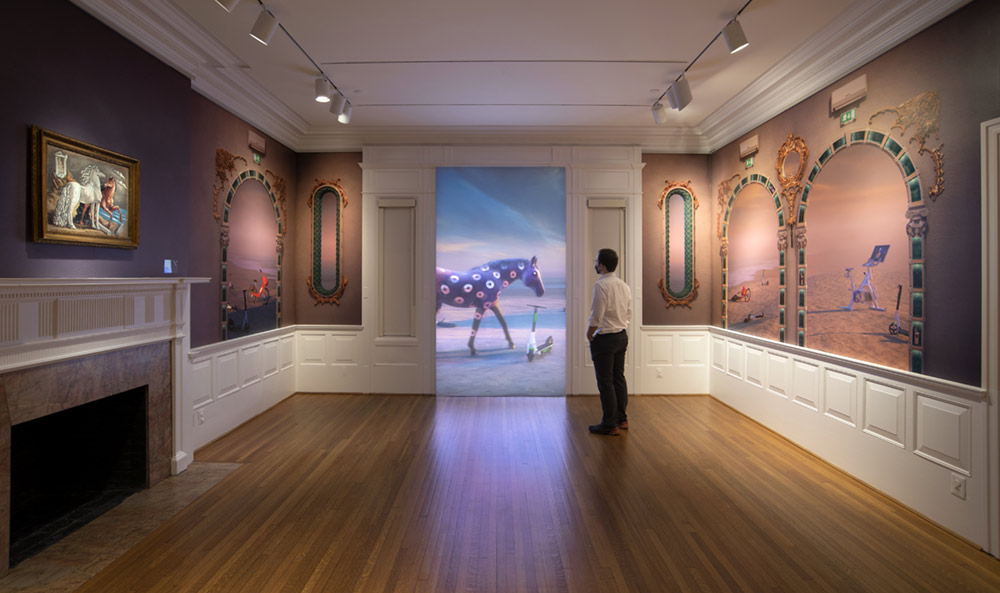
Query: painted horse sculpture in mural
{"x": 480, "y": 288}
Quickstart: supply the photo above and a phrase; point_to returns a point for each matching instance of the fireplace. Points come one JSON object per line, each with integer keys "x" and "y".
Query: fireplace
{"x": 125, "y": 393}
{"x": 68, "y": 468}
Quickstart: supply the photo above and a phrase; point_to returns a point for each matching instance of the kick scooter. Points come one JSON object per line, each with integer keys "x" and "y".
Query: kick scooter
{"x": 895, "y": 327}
{"x": 533, "y": 349}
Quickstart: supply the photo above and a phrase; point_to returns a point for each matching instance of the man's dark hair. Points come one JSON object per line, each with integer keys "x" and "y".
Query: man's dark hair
{"x": 608, "y": 258}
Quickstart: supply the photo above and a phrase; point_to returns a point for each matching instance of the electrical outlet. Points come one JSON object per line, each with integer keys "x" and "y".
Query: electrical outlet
{"x": 659, "y": 373}
{"x": 201, "y": 416}
{"x": 958, "y": 486}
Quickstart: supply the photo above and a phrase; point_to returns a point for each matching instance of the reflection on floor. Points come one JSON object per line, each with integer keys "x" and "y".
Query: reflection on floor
{"x": 69, "y": 563}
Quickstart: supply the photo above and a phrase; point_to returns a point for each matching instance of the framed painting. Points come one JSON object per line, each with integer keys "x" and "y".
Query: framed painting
{"x": 82, "y": 194}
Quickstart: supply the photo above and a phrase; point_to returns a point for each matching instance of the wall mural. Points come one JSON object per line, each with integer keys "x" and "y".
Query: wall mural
{"x": 252, "y": 242}
{"x": 863, "y": 291}
{"x": 501, "y": 281}
{"x": 904, "y": 218}
{"x": 678, "y": 286}
{"x": 327, "y": 201}
{"x": 753, "y": 271}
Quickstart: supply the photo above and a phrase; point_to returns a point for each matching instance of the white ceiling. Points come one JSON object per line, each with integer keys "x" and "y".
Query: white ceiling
{"x": 542, "y": 71}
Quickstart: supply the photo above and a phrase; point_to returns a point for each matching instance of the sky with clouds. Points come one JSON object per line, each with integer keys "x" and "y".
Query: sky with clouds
{"x": 488, "y": 213}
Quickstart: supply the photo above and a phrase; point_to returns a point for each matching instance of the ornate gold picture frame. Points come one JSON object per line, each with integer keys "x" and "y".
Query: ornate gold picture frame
{"x": 82, "y": 194}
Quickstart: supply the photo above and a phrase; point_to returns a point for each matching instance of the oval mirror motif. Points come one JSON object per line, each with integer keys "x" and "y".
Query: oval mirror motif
{"x": 326, "y": 282}
{"x": 678, "y": 286}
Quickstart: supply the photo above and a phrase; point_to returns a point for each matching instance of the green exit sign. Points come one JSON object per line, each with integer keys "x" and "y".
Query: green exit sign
{"x": 748, "y": 163}
{"x": 848, "y": 116}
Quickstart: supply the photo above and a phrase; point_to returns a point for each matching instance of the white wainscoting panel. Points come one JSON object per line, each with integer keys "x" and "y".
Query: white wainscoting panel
{"x": 332, "y": 360}
{"x": 312, "y": 346}
{"x": 672, "y": 361}
{"x": 905, "y": 434}
{"x": 250, "y": 365}
{"x": 885, "y": 412}
{"x": 840, "y": 397}
{"x": 806, "y": 384}
{"x": 661, "y": 350}
{"x": 249, "y": 376}
{"x": 734, "y": 359}
{"x": 755, "y": 366}
{"x": 227, "y": 374}
{"x": 201, "y": 383}
{"x": 287, "y": 352}
{"x": 719, "y": 354}
{"x": 944, "y": 432}
{"x": 693, "y": 350}
{"x": 269, "y": 357}
{"x": 779, "y": 374}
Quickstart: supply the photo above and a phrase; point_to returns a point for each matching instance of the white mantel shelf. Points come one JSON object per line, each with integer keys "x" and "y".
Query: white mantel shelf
{"x": 46, "y": 320}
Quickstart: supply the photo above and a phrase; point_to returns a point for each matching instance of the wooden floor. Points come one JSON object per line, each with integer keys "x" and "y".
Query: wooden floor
{"x": 396, "y": 493}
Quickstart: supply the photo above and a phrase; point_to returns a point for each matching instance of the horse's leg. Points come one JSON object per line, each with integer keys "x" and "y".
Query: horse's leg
{"x": 476, "y": 320}
{"x": 503, "y": 323}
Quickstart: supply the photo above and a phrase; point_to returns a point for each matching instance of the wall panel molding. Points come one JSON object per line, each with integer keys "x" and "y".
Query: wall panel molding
{"x": 906, "y": 434}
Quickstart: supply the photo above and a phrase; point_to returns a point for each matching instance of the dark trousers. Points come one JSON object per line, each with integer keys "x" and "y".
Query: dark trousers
{"x": 608, "y": 353}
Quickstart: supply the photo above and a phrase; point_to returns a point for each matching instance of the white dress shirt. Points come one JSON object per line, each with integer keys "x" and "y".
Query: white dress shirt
{"x": 611, "y": 309}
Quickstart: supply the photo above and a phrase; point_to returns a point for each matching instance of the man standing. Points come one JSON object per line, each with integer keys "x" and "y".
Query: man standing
{"x": 610, "y": 314}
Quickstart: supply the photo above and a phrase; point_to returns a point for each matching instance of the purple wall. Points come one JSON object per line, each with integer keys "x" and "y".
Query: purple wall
{"x": 111, "y": 95}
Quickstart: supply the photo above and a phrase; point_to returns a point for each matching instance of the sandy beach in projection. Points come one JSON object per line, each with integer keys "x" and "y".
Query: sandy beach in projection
{"x": 497, "y": 369}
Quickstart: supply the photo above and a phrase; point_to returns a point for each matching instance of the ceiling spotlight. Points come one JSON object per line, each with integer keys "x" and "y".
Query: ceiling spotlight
{"x": 680, "y": 93}
{"x": 265, "y": 26}
{"x": 322, "y": 90}
{"x": 659, "y": 113}
{"x": 337, "y": 104}
{"x": 229, "y": 5}
{"x": 671, "y": 95}
{"x": 735, "y": 38}
{"x": 345, "y": 117}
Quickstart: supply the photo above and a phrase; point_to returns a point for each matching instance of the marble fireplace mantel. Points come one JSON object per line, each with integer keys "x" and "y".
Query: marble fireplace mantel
{"x": 51, "y": 320}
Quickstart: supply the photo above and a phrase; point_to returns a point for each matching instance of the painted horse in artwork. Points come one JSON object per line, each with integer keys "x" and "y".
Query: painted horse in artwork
{"x": 480, "y": 288}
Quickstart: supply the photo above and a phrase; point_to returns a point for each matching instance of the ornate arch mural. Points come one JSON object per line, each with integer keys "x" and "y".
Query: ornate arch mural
{"x": 326, "y": 196}
{"x": 729, "y": 190}
{"x": 916, "y": 231}
{"x": 678, "y": 194}
{"x": 274, "y": 185}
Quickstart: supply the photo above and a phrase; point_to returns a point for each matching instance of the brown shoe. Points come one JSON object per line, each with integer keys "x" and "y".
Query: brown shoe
{"x": 623, "y": 425}
{"x": 598, "y": 429}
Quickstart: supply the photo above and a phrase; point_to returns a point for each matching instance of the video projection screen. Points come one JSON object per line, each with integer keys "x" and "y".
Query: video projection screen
{"x": 501, "y": 281}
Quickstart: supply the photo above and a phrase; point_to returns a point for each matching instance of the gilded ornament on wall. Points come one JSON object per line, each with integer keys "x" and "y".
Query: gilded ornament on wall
{"x": 923, "y": 114}
{"x": 225, "y": 167}
{"x": 725, "y": 188}
{"x": 791, "y": 184}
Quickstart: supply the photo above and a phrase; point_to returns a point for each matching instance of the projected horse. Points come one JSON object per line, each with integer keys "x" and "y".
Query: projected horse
{"x": 480, "y": 288}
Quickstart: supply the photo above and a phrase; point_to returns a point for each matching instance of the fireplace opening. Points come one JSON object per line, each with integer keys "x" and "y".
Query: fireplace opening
{"x": 72, "y": 466}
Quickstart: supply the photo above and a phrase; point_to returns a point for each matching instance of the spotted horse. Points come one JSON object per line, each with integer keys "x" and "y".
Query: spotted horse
{"x": 480, "y": 288}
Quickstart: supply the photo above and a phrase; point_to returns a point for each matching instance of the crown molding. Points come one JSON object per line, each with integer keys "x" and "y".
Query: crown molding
{"x": 173, "y": 37}
{"x": 847, "y": 44}
{"x": 659, "y": 139}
